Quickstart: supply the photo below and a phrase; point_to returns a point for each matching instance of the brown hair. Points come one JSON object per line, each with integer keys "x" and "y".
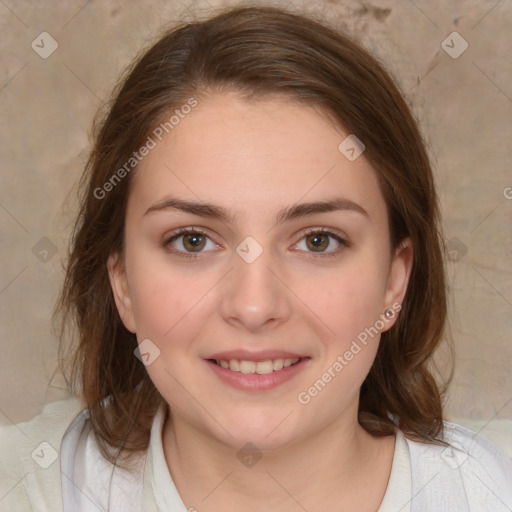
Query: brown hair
{"x": 256, "y": 51}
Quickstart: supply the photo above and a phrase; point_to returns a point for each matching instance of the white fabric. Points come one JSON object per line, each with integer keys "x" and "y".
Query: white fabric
{"x": 82, "y": 461}
{"x": 399, "y": 490}
{"x": 162, "y": 494}
{"x": 473, "y": 475}
{"x": 89, "y": 482}
{"x": 497, "y": 430}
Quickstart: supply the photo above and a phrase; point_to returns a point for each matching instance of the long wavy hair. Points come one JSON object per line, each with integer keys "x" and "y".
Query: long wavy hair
{"x": 256, "y": 51}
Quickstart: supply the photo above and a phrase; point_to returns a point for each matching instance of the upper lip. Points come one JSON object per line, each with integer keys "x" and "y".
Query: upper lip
{"x": 262, "y": 355}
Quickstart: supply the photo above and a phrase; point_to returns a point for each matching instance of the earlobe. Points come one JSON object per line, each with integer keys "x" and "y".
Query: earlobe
{"x": 399, "y": 275}
{"x": 120, "y": 290}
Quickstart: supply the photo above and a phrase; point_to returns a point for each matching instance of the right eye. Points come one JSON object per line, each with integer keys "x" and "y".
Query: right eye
{"x": 193, "y": 240}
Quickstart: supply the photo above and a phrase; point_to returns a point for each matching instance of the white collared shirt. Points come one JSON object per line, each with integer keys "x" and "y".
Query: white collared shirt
{"x": 90, "y": 483}
{"x": 51, "y": 464}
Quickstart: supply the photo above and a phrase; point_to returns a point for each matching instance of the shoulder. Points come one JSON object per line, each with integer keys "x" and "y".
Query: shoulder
{"x": 30, "y": 458}
{"x": 471, "y": 473}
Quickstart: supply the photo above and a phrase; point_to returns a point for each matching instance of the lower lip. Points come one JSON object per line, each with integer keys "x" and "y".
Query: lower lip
{"x": 254, "y": 381}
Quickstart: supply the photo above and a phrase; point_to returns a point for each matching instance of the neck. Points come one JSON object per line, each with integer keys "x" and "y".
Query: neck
{"x": 342, "y": 464}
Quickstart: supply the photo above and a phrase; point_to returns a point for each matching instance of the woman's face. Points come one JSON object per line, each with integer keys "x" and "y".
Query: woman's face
{"x": 253, "y": 288}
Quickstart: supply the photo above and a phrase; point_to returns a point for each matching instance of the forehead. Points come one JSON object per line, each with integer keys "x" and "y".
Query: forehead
{"x": 254, "y": 157}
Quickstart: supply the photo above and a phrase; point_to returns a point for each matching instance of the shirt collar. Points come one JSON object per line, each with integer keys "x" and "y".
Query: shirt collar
{"x": 159, "y": 492}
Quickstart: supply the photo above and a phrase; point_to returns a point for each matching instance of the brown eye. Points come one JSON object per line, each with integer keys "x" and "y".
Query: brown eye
{"x": 188, "y": 242}
{"x": 317, "y": 242}
{"x": 191, "y": 242}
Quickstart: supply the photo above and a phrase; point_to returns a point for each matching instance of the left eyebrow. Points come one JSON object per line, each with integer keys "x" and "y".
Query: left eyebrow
{"x": 289, "y": 213}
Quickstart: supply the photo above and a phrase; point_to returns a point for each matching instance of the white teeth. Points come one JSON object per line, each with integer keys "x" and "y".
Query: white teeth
{"x": 264, "y": 367}
{"x": 278, "y": 364}
{"x": 260, "y": 367}
{"x": 247, "y": 366}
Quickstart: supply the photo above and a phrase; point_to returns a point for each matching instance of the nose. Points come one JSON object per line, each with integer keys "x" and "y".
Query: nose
{"x": 255, "y": 296}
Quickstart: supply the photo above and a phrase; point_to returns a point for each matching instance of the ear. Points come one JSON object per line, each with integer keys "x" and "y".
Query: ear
{"x": 120, "y": 290}
{"x": 398, "y": 279}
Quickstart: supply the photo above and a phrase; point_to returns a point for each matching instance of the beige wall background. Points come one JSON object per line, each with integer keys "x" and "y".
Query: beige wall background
{"x": 462, "y": 96}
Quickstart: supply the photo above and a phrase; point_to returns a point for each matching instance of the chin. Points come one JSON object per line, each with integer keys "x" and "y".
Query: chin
{"x": 266, "y": 431}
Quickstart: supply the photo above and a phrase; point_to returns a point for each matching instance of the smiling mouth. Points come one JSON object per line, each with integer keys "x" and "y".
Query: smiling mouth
{"x": 253, "y": 367}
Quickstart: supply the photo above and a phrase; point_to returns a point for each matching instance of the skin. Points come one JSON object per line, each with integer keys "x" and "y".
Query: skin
{"x": 255, "y": 159}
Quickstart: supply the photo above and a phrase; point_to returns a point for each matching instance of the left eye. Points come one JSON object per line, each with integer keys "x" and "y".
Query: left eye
{"x": 318, "y": 241}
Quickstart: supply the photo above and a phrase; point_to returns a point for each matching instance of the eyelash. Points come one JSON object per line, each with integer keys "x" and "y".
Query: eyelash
{"x": 311, "y": 231}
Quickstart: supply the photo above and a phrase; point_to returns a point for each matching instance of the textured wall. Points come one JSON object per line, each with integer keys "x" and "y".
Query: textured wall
{"x": 462, "y": 96}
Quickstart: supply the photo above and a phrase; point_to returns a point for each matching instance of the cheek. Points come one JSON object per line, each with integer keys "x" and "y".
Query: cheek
{"x": 164, "y": 297}
{"x": 349, "y": 299}
{"x": 350, "y": 306}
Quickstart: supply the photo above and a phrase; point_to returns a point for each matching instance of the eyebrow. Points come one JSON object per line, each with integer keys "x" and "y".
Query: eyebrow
{"x": 292, "y": 212}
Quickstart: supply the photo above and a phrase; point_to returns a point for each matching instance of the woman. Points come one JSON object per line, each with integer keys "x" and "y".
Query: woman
{"x": 257, "y": 281}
